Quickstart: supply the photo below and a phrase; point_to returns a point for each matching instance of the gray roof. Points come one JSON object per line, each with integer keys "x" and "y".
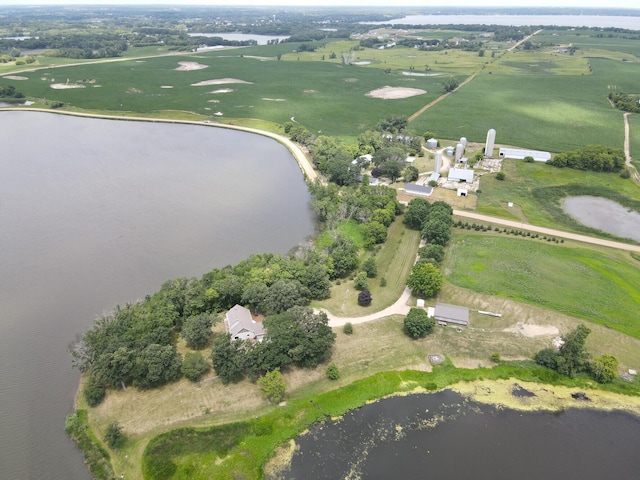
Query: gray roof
{"x": 452, "y": 313}
{"x": 520, "y": 154}
{"x": 461, "y": 174}
{"x": 239, "y": 319}
{"x": 414, "y": 189}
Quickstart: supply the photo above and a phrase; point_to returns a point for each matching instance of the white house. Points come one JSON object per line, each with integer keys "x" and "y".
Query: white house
{"x": 241, "y": 325}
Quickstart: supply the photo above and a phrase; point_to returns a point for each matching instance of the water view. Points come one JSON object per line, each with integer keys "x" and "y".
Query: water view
{"x": 242, "y": 37}
{"x": 605, "y": 215}
{"x": 443, "y": 435}
{"x": 95, "y": 213}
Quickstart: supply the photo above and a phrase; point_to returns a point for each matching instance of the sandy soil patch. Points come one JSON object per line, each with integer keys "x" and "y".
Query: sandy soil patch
{"x": 529, "y": 330}
{"x": 166, "y": 86}
{"x": 350, "y": 80}
{"x": 219, "y": 81}
{"x": 63, "y": 86}
{"x": 133, "y": 90}
{"x": 15, "y": 77}
{"x": 414, "y": 74}
{"x": 310, "y": 91}
{"x": 274, "y": 99}
{"x": 213, "y": 101}
{"x": 394, "y": 93}
{"x": 222, "y": 90}
{"x": 189, "y": 66}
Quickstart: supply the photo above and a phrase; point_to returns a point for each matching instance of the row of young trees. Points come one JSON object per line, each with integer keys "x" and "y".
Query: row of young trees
{"x": 596, "y": 158}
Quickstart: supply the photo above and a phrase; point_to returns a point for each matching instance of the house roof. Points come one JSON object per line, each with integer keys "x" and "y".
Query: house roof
{"x": 415, "y": 189}
{"x": 239, "y": 319}
{"x": 452, "y": 313}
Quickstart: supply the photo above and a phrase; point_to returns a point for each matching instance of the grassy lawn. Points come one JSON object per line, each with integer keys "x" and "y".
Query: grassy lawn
{"x": 602, "y": 288}
{"x": 394, "y": 260}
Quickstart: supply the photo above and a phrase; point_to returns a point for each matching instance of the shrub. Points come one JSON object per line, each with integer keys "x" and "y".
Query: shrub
{"x": 93, "y": 392}
{"x": 370, "y": 268}
{"x": 272, "y": 386}
{"x": 194, "y": 366}
{"x": 383, "y": 282}
{"x": 348, "y": 328}
{"x": 495, "y": 357}
{"x": 500, "y": 176}
{"x": 360, "y": 281}
{"x": 333, "y": 372}
{"x": 114, "y": 437}
{"x": 364, "y": 298}
{"x": 625, "y": 173}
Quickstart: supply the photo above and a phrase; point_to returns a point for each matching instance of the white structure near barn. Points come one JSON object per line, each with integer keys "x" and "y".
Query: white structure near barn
{"x": 520, "y": 154}
{"x": 432, "y": 143}
{"x": 446, "y": 314}
{"x": 460, "y": 175}
{"x": 241, "y": 325}
{"x": 491, "y": 140}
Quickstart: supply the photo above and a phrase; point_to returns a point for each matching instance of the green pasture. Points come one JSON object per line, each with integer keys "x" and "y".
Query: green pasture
{"x": 634, "y": 138}
{"x": 544, "y": 112}
{"x": 603, "y": 288}
{"x": 523, "y": 180}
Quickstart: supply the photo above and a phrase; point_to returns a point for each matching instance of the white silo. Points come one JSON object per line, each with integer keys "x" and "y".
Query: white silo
{"x": 491, "y": 139}
{"x": 438, "y": 162}
{"x": 463, "y": 141}
{"x": 432, "y": 143}
{"x": 459, "y": 152}
{"x": 449, "y": 151}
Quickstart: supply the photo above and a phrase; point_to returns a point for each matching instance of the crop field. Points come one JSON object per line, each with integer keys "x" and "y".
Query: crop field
{"x": 634, "y": 138}
{"x": 589, "y": 41}
{"x": 597, "y": 287}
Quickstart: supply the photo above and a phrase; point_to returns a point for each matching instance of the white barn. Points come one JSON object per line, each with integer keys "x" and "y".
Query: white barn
{"x": 460, "y": 175}
{"x": 520, "y": 154}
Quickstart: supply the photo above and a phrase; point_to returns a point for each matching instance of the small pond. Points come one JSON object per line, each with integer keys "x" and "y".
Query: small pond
{"x": 605, "y": 215}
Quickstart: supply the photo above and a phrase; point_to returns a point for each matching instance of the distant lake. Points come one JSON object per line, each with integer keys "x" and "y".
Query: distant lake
{"x": 443, "y": 435}
{"x": 241, "y": 37}
{"x": 95, "y": 213}
{"x": 630, "y": 22}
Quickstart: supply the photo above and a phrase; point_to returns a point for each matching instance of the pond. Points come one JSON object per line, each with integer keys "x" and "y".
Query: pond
{"x": 605, "y": 215}
{"x": 444, "y": 435}
{"x": 95, "y": 213}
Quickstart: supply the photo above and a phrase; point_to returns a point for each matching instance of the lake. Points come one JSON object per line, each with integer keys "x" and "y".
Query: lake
{"x": 604, "y": 214}
{"x": 242, "y": 37}
{"x": 602, "y": 21}
{"x": 444, "y": 435}
{"x": 95, "y": 213}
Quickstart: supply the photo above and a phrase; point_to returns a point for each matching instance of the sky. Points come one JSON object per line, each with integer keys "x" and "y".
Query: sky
{"x": 396, "y": 3}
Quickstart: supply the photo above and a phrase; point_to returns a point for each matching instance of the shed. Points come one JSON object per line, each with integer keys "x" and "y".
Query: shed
{"x": 462, "y": 192}
{"x": 240, "y": 324}
{"x": 446, "y": 313}
{"x": 414, "y": 189}
{"x": 420, "y": 303}
{"x": 460, "y": 175}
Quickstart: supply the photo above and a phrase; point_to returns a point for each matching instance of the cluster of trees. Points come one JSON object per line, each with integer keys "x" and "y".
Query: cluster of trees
{"x": 296, "y": 337}
{"x": 625, "y": 102}
{"x": 435, "y": 222}
{"x": 572, "y": 358}
{"x": 418, "y": 324}
{"x": 596, "y": 158}
{"x": 135, "y": 344}
{"x": 9, "y": 91}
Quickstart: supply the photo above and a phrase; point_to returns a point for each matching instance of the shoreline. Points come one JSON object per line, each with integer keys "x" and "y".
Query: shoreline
{"x": 297, "y": 153}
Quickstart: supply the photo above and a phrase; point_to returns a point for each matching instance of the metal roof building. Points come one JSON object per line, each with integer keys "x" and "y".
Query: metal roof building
{"x": 519, "y": 154}
{"x": 446, "y": 313}
{"x": 460, "y": 175}
{"x": 413, "y": 189}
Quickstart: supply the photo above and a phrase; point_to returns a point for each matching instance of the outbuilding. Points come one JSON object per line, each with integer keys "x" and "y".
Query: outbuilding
{"x": 460, "y": 175}
{"x": 414, "y": 189}
{"x": 520, "y": 154}
{"x": 446, "y": 314}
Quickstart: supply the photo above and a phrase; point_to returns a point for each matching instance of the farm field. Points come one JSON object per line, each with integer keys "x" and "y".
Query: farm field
{"x": 603, "y": 288}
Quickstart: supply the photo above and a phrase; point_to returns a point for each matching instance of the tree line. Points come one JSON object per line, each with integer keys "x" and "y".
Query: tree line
{"x": 596, "y": 158}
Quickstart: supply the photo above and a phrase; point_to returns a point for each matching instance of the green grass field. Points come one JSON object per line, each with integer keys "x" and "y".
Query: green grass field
{"x": 597, "y": 287}
{"x": 524, "y": 179}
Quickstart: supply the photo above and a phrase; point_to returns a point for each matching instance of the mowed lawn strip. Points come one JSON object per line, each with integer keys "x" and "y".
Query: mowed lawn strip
{"x": 586, "y": 284}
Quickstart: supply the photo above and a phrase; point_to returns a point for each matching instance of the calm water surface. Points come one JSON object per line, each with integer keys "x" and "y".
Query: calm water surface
{"x": 442, "y": 435}
{"x": 95, "y": 213}
{"x": 605, "y": 215}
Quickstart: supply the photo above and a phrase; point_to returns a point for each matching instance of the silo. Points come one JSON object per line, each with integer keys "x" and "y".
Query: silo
{"x": 438, "y": 162}
{"x": 449, "y": 151}
{"x": 491, "y": 139}
{"x": 432, "y": 143}
{"x": 459, "y": 152}
{"x": 463, "y": 141}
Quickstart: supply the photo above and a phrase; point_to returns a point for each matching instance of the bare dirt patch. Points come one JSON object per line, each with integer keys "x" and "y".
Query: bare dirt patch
{"x": 350, "y": 80}
{"x": 166, "y": 86}
{"x": 310, "y": 91}
{"x": 64, "y": 86}
{"x": 15, "y": 77}
{"x": 189, "y": 66}
{"x": 222, "y": 90}
{"x": 529, "y": 330}
{"x": 274, "y": 99}
{"x": 219, "y": 81}
{"x": 394, "y": 93}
